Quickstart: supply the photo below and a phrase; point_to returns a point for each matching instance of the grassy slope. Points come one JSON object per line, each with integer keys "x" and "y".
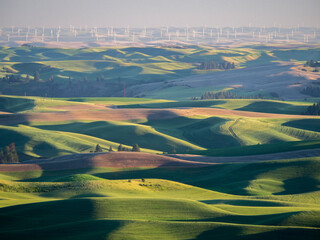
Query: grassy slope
{"x": 35, "y": 142}
{"x": 16, "y": 104}
{"x": 182, "y": 133}
{"x": 139, "y": 65}
{"x": 280, "y": 205}
{"x": 253, "y": 105}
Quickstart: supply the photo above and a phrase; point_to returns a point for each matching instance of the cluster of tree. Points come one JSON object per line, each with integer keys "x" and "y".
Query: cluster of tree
{"x": 311, "y": 91}
{"x": 37, "y": 86}
{"x": 312, "y": 63}
{"x": 228, "y": 95}
{"x": 9, "y": 154}
{"x": 18, "y": 78}
{"x": 135, "y": 148}
{"x": 13, "y": 78}
{"x": 313, "y": 110}
{"x": 216, "y": 65}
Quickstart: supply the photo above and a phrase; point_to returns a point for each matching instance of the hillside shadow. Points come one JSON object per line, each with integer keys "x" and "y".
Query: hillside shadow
{"x": 299, "y": 185}
{"x": 236, "y": 233}
{"x": 152, "y": 115}
{"x": 103, "y": 65}
{"x": 306, "y": 124}
{"x": 221, "y": 232}
{"x": 267, "y": 107}
{"x": 263, "y": 219}
{"x": 13, "y": 105}
{"x": 45, "y": 149}
{"x": 88, "y": 195}
{"x": 13, "y": 137}
{"x": 206, "y": 133}
{"x": 84, "y": 229}
{"x": 67, "y": 215}
{"x": 247, "y": 203}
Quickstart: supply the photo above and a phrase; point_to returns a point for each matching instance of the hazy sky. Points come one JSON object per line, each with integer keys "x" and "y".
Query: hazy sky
{"x": 139, "y": 13}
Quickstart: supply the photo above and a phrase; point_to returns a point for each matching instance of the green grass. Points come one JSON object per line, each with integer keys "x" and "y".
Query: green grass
{"x": 231, "y": 201}
{"x": 17, "y": 104}
{"x": 252, "y": 105}
{"x": 35, "y": 142}
{"x": 135, "y": 63}
{"x": 115, "y": 100}
{"x": 261, "y": 149}
{"x": 126, "y": 133}
{"x": 78, "y": 178}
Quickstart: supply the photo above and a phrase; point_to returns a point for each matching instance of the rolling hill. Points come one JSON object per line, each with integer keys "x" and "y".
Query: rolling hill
{"x": 245, "y": 168}
{"x": 234, "y": 201}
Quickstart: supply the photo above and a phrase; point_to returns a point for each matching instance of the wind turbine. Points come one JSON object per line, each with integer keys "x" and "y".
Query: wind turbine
{"x": 187, "y": 35}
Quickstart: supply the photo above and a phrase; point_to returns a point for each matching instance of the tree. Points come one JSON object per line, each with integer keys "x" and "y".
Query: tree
{"x": 36, "y": 76}
{"x": 136, "y": 148}
{"x": 98, "y": 148}
{"x": 120, "y": 148}
{"x": 313, "y": 110}
{"x": 9, "y": 154}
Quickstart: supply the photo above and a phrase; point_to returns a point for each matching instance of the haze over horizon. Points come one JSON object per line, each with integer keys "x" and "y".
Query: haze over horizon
{"x": 151, "y": 13}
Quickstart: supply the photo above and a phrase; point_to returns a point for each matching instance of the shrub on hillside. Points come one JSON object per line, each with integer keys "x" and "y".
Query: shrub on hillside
{"x": 9, "y": 154}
